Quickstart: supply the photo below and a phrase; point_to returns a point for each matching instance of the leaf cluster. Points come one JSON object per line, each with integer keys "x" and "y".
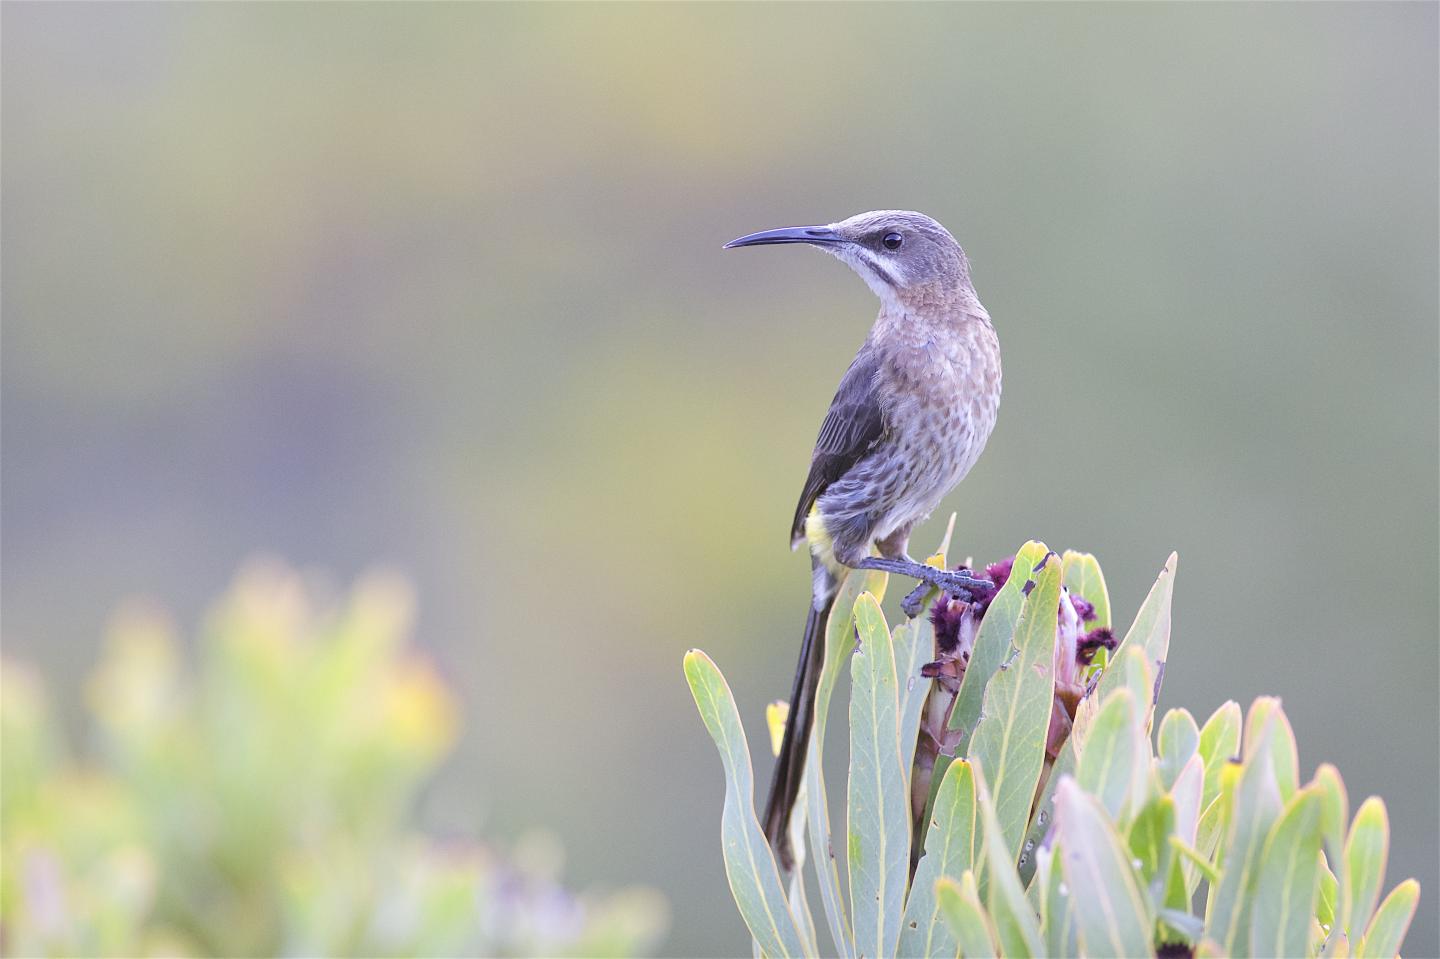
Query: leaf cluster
{"x": 1120, "y": 840}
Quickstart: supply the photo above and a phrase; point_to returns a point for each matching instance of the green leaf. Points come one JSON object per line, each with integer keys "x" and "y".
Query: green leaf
{"x": 1334, "y": 810}
{"x": 1113, "y": 758}
{"x": 1215, "y": 824}
{"x": 1193, "y": 856}
{"x": 1112, "y": 913}
{"x": 1016, "y": 924}
{"x": 1219, "y": 743}
{"x": 879, "y": 801}
{"x": 950, "y": 850}
{"x": 992, "y": 645}
{"x": 1255, "y": 808}
{"x": 1065, "y": 763}
{"x": 839, "y": 641}
{"x": 1149, "y": 841}
{"x": 1387, "y": 930}
{"x": 1057, "y": 906}
{"x": 1328, "y": 903}
{"x": 1185, "y": 794}
{"x": 1081, "y": 575}
{"x": 1150, "y": 632}
{"x": 1177, "y": 741}
{"x": 749, "y": 865}
{"x": 1009, "y": 743}
{"x": 944, "y": 546}
{"x": 1288, "y": 881}
{"x": 1129, "y": 669}
{"x": 914, "y": 647}
{"x": 1266, "y": 714}
{"x": 1044, "y": 812}
{"x": 965, "y": 919}
{"x": 799, "y": 902}
{"x": 1366, "y": 852}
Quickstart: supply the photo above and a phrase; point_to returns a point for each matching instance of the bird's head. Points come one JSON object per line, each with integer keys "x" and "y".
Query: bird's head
{"x": 900, "y": 254}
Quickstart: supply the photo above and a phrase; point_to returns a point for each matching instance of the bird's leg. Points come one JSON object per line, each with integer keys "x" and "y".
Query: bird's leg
{"x": 896, "y": 546}
{"x": 958, "y": 584}
{"x": 914, "y": 600}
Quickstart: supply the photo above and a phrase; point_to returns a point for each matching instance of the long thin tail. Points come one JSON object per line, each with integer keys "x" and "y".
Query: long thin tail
{"x": 790, "y": 765}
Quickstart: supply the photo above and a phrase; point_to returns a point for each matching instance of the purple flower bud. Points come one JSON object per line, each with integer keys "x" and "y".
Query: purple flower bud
{"x": 1092, "y": 641}
{"x": 1083, "y": 606}
{"x": 946, "y": 616}
{"x": 999, "y": 572}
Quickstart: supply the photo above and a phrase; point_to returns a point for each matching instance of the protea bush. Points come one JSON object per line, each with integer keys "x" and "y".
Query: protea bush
{"x": 1010, "y": 794}
{"x": 251, "y": 793}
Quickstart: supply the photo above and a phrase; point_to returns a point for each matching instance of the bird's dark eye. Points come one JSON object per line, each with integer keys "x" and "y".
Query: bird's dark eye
{"x": 892, "y": 241}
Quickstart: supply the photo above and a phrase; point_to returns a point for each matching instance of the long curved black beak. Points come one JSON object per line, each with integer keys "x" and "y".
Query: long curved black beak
{"x": 815, "y": 235}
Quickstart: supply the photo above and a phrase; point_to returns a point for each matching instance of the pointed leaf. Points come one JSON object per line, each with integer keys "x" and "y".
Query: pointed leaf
{"x": 914, "y": 647}
{"x": 878, "y": 825}
{"x": 776, "y": 715}
{"x": 1016, "y": 925}
{"x": 799, "y": 902}
{"x": 1149, "y": 842}
{"x": 1043, "y": 815}
{"x": 839, "y": 641}
{"x": 1366, "y": 852}
{"x": 965, "y": 919}
{"x": 1265, "y": 713}
{"x": 749, "y": 865}
{"x": 1289, "y": 881}
{"x": 950, "y": 850}
{"x": 1327, "y": 905}
{"x": 1253, "y": 812}
{"x": 1150, "y": 632}
{"x": 944, "y": 546}
{"x": 1113, "y": 758}
{"x": 1082, "y": 576}
{"x": 992, "y": 645}
{"x": 1177, "y": 741}
{"x": 1112, "y": 913}
{"x": 1219, "y": 743}
{"x": 1334, "y": 810}
{"x": 1186, "y": 795}
{"x": 1387, "y": 929}
{"x": 1057, "y": 906}
{"x": 1009, "y": 743}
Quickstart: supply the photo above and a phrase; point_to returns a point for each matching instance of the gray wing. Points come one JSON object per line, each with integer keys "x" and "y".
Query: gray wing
{"x": 851, "y": 429}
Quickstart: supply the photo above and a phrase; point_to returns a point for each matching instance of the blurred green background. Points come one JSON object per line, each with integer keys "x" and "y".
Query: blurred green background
{"x": 440, "y": 286}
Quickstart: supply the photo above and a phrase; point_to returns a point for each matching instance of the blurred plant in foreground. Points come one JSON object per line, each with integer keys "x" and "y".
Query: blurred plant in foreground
{"x": 1015, "y": 806}
{"x": 259, "y": 804}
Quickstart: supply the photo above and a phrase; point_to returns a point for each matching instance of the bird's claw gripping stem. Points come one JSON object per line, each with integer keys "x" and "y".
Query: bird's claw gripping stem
{"x": 958, "y": 584}
{"x": 914, "y": 602}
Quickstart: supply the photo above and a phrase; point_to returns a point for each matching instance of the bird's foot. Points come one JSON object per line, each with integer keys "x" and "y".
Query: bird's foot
{"x": 914, "y": 602}
{"x": 961, "y": 585}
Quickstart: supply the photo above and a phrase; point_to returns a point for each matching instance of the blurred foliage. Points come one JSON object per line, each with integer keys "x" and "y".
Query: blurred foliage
{"x": 1058, "y": 828}
{"x": 259, "y": 803}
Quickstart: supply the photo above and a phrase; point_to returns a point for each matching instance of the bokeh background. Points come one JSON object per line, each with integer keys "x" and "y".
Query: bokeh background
{"x": 440, "y": 287}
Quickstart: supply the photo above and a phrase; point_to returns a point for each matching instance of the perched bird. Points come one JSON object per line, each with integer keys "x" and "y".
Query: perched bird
{"x": 910, "y": 418}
